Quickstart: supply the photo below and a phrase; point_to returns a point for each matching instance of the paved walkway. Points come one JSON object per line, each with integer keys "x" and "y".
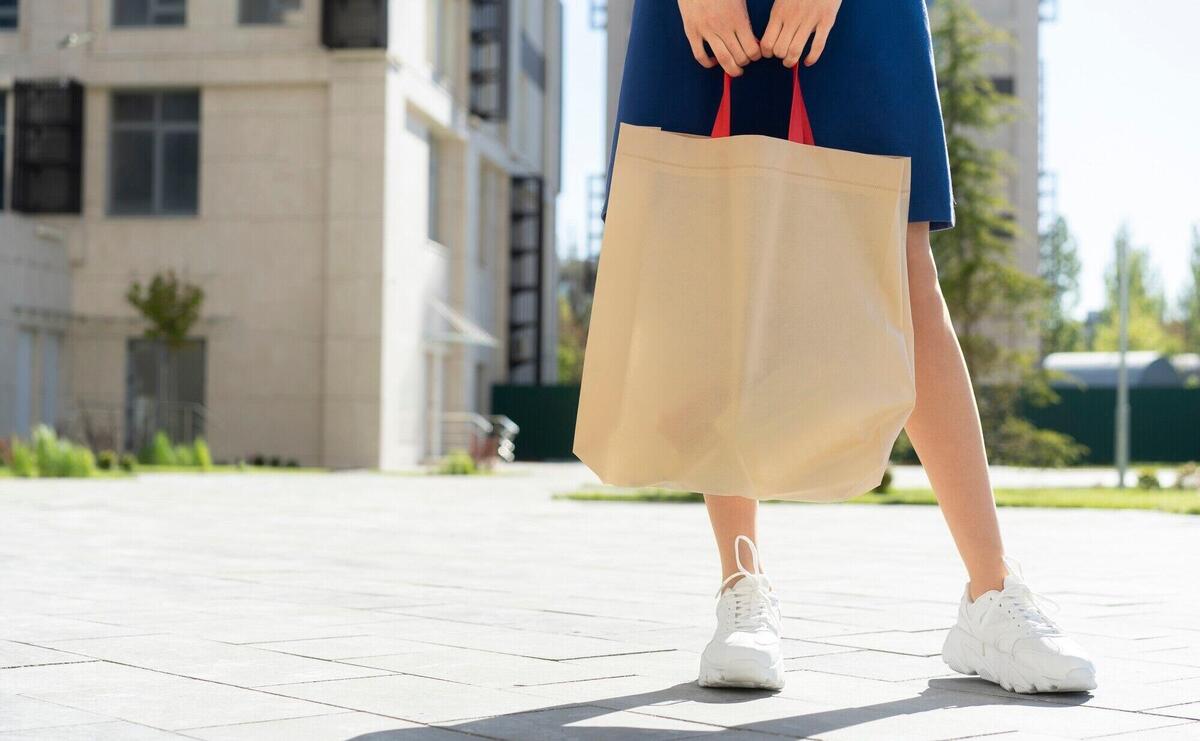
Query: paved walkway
{"x": 383, "y": 608}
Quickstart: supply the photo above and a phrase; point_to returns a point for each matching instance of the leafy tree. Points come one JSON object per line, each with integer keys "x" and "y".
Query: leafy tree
{"x": 987, "y": 294}
{"x": 1147, "y": 305}
{"x": 1190, "y": 301}
{"x": 169, "y": 307}
{"x": 1059, "y": 268}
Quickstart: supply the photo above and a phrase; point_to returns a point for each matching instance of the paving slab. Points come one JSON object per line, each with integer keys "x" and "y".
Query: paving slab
{"x": 385, "y": 608}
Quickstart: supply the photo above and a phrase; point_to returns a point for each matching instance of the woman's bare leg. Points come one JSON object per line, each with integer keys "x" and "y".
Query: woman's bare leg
{"x": 731, "y": 517}
{"x": 944, "y": 426}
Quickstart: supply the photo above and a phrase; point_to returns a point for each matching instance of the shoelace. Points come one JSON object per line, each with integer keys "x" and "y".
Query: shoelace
{"x": 1029, "y": 606}
{"x": 751, "y": 610}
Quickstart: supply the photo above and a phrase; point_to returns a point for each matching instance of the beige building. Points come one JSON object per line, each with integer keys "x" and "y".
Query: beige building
{"x": 363, "y": 189}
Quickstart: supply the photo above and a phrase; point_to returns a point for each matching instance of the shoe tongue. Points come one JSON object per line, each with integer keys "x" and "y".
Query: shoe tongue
{"x": 751, "y": 583}
{"x": 1012, "y": 580}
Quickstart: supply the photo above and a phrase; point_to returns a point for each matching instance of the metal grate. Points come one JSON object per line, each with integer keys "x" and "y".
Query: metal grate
{"x": 47, "y": 146}
{"x": 525, "y": 281}
{"x": 489, "y": 59}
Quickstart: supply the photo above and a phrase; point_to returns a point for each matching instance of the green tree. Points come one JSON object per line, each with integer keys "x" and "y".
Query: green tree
{"x": 1189, "y": 305}
{"x": 988, "y": 296}
{"x": 169, "y": 307}
{"x": 1147, "y": 305}
{"x": 1059, "y": 268}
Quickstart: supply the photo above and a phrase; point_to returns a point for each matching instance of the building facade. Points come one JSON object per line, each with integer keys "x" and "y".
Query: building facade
{"x": 363, "y": 189}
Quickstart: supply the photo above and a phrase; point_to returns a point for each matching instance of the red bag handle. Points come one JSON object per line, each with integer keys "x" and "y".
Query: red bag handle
{"x": 799, "y": 128}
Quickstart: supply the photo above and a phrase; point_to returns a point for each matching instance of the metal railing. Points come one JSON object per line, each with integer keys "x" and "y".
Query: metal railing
{"x": 484, "y": 438}
{"x": 122, "y": 427}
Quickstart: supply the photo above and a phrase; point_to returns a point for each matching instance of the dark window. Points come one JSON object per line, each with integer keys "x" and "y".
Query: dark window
{"x": 533, "y": 64}
{"x": 8, "y": 14}
{"x": 149, "y": 12}
{"x": 266, "y": 11}
{"x": 3, "y": 141}
{"x": 1004, "y": 85}
{"x": 47, "y": 139}
{"x": 354, "y": 24}
{"x": 164, "y": 391}
{"x": 154, "y": 157}
{"x": 489, "y": 59}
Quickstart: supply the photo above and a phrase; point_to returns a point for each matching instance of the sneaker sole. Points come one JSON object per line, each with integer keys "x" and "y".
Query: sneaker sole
{"x": 964, "y": 654}
{"x": 741, "y": 674}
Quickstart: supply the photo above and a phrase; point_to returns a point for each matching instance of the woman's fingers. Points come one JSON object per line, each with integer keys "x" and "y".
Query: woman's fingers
{"x": 724, "y": 56}
{"x": 796, "y": 47}
{"x": 771, "y": 37}
{"x": 746, "y": 40}
{"x": 697, "y": 42}
{"x": 818, "y": 45}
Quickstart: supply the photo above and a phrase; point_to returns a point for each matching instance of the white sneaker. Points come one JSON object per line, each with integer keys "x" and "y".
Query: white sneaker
{"x": 1004, "y": 637}
{"x": 745, "y": 650}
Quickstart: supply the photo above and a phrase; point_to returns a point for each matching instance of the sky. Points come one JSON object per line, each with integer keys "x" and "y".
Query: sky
{"x": 1122, "y": 97}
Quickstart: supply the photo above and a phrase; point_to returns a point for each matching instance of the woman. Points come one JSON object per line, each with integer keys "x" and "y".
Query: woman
{"x": 869, "y": 86}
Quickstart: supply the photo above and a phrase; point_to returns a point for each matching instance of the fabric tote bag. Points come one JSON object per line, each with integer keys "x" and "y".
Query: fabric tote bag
{"x": 751, "y": 332}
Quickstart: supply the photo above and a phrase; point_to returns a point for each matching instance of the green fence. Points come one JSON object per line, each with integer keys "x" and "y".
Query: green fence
{"x": 546, "y": 416}
{"x": 1164, "y": 423}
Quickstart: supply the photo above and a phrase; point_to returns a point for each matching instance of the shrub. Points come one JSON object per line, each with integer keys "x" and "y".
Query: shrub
{"x": 24, "y": 461}
{"x": 275, "y": 461}
{"x": 1020, "y": 443}
{"x": 258, "y": 460}
{"x": 184, "y": 455}
{"x": 886, "y": 484}
{"x": 1187, "y": 476}
{"x": 52, "y": 457}
{"x": 201, "y": 454}
{"x": 902, "y": 451}
{"x": 106, "y": 460}
{"x": 292, "y": 463}
{"x": 128, "y": 462}
{"x": 158, "y": 452}
{"x": 80, "y": 463}
{"x": 1148, "y": 479}
{"x": 457, "y": 463}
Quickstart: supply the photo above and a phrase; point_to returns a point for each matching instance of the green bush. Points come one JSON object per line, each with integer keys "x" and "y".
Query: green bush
{"x": 127, "y": 462}
{"x": 1187, "y": 476}
{"x": 1148, "y": 479}
{"x": 50, "y": 457}
{"x": 886, "y": 484}
{"x": 80, "y": 462}
{"x": 457, "y": 463}
{"x": 106, "y": 460}
{"x": 158, "y": 452}
{"x": 24, "y": 461}
{"x": 1020, "y": 443}
{"x": 184, "y": 455}
{"x": 201, "y": 454}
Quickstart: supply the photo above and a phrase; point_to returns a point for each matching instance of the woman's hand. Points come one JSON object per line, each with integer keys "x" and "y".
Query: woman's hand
{"x": 725, "y": 25}
{"x": 792, "y": 23}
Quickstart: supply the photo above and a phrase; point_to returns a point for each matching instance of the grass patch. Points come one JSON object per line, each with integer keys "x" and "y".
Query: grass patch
{"x": 1163, "y": 500}
{"x": 225, "y": 468}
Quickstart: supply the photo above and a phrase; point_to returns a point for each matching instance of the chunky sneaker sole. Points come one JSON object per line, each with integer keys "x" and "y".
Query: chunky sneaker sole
{"x": 966, "y": 654}
{"x": 743, "y": 674}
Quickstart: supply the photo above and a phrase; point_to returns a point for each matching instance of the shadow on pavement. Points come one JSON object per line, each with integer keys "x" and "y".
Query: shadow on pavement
{"x": 557, "y": 721}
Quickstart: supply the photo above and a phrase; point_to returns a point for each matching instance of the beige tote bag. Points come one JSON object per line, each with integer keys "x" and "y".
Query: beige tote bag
{"x": 751, "y": 332}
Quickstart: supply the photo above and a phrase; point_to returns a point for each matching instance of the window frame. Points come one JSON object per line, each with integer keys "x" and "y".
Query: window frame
{"x": 14, "y": 13}
{"x": 153, "y": 8}
{"x": 280, "y": 7}
{"x": 158, "y": 128}
{"x": 4, "y": 164}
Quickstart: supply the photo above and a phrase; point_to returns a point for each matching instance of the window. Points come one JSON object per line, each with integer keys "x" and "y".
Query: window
{"x": 266, "y": 11}
{"x": 149, "y": 12}
{"x": 433, "y": 197}
{"x": 3, "y": 141}
{"x": 154, "y": 155}
{"x": 8, "y": 14}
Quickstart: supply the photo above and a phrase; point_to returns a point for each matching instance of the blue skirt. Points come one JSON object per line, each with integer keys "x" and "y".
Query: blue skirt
{"x": 874, "y": 90}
